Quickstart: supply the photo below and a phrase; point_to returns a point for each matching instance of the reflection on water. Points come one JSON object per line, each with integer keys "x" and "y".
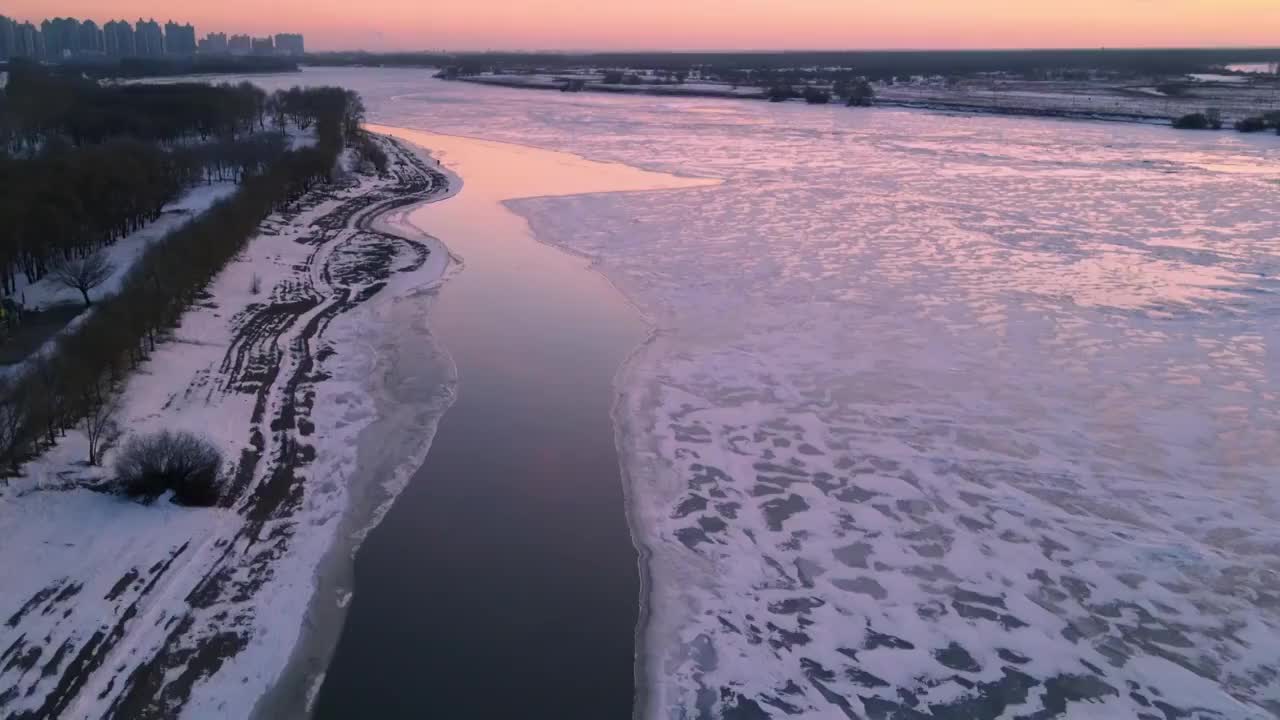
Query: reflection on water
{"x": 505, "y": 572}
{"x": 949, "y": 416}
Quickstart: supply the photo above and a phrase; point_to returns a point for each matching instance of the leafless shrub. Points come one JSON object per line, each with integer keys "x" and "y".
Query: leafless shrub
{"x": 83, "y": 274}
{"x": 188, "y": 465}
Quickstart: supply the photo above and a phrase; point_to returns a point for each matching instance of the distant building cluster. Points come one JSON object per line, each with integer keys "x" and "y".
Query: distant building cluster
{"x": 61, "y": 39}
{"x": 284, "y": 44}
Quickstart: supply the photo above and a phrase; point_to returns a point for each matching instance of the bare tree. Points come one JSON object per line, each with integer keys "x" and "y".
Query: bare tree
{"x": 14, "y": 409}
{"x": 50, "y": 392}
{"x": 84, "y": 274}
{"x": 100, "y": 427}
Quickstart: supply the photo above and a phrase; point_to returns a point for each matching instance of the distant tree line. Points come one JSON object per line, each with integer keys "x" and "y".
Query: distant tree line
{"x": 821, "y": 65}
{"x": 1260, "y": 123}
{"x": 855, "y": 92}
{"x": 72, "y": 384}
{"x": 144, "y": 67}
{"x": 139, "y": 67}
{"x": 39, "y": 104}
{"x": 1208, "y": 120}
{"x": 1211, "y": 119}
{"x": 84, "y": 165}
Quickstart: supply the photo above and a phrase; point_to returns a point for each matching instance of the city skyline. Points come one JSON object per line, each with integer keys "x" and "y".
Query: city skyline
{"x": 61, "y": 38}
{"x": 718, "y": 24}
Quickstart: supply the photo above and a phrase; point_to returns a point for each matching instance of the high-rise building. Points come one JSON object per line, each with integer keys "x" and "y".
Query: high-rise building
{"x": 117, "y": 39}
{"x": 91, "y": 38}
{"x": 8, "y": 38}
{"x": 46, "y": 30}
{"x": 61, "y": 38}
{"x": 213, "y": 44}
{"x": 148, "y": 38}
{"x": 290, "y": 44}
{"x": 49, "y": 32}
{"x": 32, "y": 41}
{"x": 179, "y": 39}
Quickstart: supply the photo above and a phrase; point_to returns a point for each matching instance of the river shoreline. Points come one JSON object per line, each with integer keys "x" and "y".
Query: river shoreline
{"x": 401, "y": 405}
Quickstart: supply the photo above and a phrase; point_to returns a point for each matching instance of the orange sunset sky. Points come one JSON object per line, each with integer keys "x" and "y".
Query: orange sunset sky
{"x": 706, "y": 24}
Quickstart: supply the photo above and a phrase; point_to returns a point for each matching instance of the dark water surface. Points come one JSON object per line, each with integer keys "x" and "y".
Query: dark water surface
{"x": 503, "y": 582}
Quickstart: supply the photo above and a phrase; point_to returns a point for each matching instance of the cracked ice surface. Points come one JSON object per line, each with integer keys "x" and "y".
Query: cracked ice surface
{"x": 953, "y": 427}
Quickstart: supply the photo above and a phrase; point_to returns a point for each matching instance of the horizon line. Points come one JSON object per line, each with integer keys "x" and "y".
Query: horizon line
{"x": 711, "y": 51}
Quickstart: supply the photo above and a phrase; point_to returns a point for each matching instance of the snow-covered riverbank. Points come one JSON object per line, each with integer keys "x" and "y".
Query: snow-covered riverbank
{"x": 112, "y": 609}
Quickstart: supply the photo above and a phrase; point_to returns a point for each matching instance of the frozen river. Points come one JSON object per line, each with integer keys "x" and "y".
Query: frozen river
{"x": 943, "y": 416}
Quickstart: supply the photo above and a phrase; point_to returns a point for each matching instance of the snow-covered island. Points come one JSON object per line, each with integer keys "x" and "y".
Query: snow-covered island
{"x": 1138, "y": 87}
{"x": 1235, "y": 97}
